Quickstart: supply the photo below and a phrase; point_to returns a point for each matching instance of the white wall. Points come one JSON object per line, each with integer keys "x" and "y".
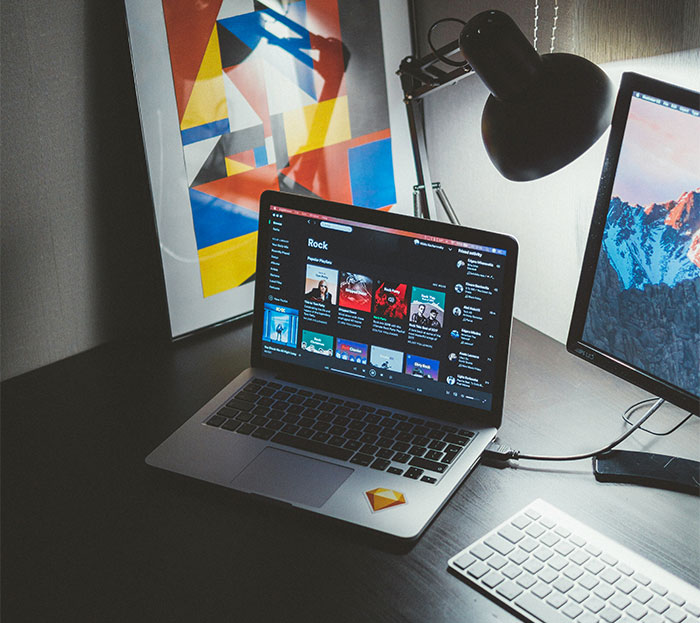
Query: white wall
{"x": 549, "y": 217}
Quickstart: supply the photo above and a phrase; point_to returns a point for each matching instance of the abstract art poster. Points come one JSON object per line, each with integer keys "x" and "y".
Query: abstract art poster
{"x": 239, "y": 96}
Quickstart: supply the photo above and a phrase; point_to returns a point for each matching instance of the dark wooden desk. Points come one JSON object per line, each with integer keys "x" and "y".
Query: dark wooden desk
{"x": 90, "y": 533}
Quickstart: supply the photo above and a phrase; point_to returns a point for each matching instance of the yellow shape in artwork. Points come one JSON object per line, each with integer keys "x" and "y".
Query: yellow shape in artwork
{"x": 227, "y": 264}
{"x": 233, "y": 167}
{"x": 317, "y": 125}
{"x": 207, "y": 102}
{"x": 381, "y": 498}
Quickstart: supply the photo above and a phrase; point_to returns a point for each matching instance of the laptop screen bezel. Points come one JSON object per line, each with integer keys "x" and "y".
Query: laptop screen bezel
{"x": 363, "y": 389}
{"x": 576, "y": 344}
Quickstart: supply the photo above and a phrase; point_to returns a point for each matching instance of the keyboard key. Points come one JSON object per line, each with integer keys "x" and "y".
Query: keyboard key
{"x": 465, "y": 560}
{"x": 395, "y": 470}
{"x": 493, "y": 579}
{"x": 572, "y": 610}
{"x": 263, "y": 433}
{"x": 414, "y": 473}
{"x": 481, "y": 551}
{"x": 497, "y": 562}
{"x": 510, "y": 533}
{"x": 659, "y": 605}
{"x": 556, "y": 600}
{"x": 594, "y": 604}
{"x": 499, "y": 544}
{"x": 478, "y": 570}
{"x": 540, "y": 609}
{"x": 245, "y": 429}
{"x": 609, "y": 615}
{"x": 635, "y": 611}
{"x": 658, "y": 589}
{"x": 231, "y": 425}
{"x": 380, "y": 464}
{"x": 216, "y": 420}
{"x": 432, "y": 466}
{"x": 642, "y": 595}
{"x": 526, "y": 580}
{"x": 362, "y": 459}
{"x": 246, "y": 396}
{"x": 675, "y": 615}
{"x": 240, "y": 405}
{"x": 509, "y": 590}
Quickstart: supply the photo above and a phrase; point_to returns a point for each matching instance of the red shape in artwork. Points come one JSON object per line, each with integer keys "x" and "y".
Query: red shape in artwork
{"x": 325, "y": 172}
{"x": 189, "y": 26}
{"x": 323, "y": 23}
{"x": 245, "y": 157}
{"x": 245, "y": 188}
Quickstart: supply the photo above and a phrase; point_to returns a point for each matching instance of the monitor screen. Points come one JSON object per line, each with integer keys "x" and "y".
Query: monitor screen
{"x": 637, "y": 310}
{"x": 382, "y": 300}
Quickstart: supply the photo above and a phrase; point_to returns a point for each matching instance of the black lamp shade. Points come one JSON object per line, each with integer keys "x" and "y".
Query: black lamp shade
{"x": 543, "y": 111}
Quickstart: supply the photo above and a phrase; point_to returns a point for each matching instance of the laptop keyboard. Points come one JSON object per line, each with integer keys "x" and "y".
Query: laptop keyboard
{"x": 331, "y": 426}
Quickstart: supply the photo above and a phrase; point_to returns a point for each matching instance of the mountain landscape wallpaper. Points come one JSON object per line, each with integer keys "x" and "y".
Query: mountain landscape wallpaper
{"x": 645, "y": 302}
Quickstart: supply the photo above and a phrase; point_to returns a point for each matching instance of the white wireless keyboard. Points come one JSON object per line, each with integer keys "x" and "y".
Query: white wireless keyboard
{"x": 551, "y": 568}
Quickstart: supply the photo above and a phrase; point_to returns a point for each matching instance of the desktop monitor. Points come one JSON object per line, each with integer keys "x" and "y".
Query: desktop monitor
{"x": 637, "y": 308}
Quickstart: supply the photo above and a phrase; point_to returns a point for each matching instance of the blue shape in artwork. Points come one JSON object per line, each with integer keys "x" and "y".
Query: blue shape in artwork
{"x": 260, "y": 154}
{"x": 216, "y": 220}
{"x": 201, "y": 132}
{"x": 252, "y": 29}
{"x": 372, "y": 174}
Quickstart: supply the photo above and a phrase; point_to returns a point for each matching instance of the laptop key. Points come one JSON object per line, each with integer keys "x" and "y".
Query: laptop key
{"x": 230, "y": 425}
{"x": 362, "y": 459}
{"x": 414, "y": 473}
{"x": 380, "y": 464}
{"x": 216, "y": 420}
{"x": 245, "y": 429}
{"x": 247, "y": 396}
{"x": 432, "y": 466}
{"x": 241, "y": 405}
{"x": 310, "y": 445}
{"x": 263, "y": 433}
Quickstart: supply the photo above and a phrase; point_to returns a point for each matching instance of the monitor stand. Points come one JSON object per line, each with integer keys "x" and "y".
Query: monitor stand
{"x": 651, "y": 470}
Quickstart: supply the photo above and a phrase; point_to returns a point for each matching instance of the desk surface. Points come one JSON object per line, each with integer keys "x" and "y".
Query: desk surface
{"x": 90, "y": 533}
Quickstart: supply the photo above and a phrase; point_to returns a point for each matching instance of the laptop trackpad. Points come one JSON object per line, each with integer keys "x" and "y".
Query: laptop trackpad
{"x": 291, "y": 477}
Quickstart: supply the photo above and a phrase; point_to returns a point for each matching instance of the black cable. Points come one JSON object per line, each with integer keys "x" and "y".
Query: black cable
{"x": 503, "y": 453}
{"x": 444, "y": 59}
{"x": 637, "y": 405}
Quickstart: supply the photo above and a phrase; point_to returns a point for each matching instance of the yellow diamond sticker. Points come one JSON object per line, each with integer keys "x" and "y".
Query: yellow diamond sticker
{"x": 381, "y": 498}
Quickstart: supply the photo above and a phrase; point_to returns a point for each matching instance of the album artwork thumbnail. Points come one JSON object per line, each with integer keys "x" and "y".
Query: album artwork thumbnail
{"x": 422, "y": 367}
{"x": 390, "y": 300}
{"x": 321, "y": 284}
{"x": 280, "y": 324}
{"x": 354, "y": 352}
{"x": 386, "y": 359}
{"x": 317, "y": 343}
{"x": 355, "y": 291}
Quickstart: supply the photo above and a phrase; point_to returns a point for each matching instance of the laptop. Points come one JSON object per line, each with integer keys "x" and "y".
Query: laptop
{"x": 378, "y": 366}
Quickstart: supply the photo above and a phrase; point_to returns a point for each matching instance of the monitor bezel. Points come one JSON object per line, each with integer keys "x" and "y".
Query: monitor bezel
{"x": 630, "y": 83}
{"x": 383, "y": 394}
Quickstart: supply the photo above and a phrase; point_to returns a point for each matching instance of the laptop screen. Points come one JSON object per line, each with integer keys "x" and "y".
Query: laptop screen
{"x": 394, "y": 306}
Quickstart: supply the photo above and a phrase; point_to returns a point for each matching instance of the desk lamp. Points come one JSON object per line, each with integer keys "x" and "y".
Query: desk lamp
{"x": 543, "y": 112}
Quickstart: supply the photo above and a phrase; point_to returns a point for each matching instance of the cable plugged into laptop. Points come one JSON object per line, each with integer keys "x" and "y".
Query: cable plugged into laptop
{"x": 498, "y": 454}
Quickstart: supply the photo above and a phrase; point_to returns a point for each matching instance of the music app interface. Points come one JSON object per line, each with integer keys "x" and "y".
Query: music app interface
{"x": 389, "y": 306}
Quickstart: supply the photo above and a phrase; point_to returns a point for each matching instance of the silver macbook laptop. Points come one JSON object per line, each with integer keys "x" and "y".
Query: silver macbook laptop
{"x": 379, "y": 354}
